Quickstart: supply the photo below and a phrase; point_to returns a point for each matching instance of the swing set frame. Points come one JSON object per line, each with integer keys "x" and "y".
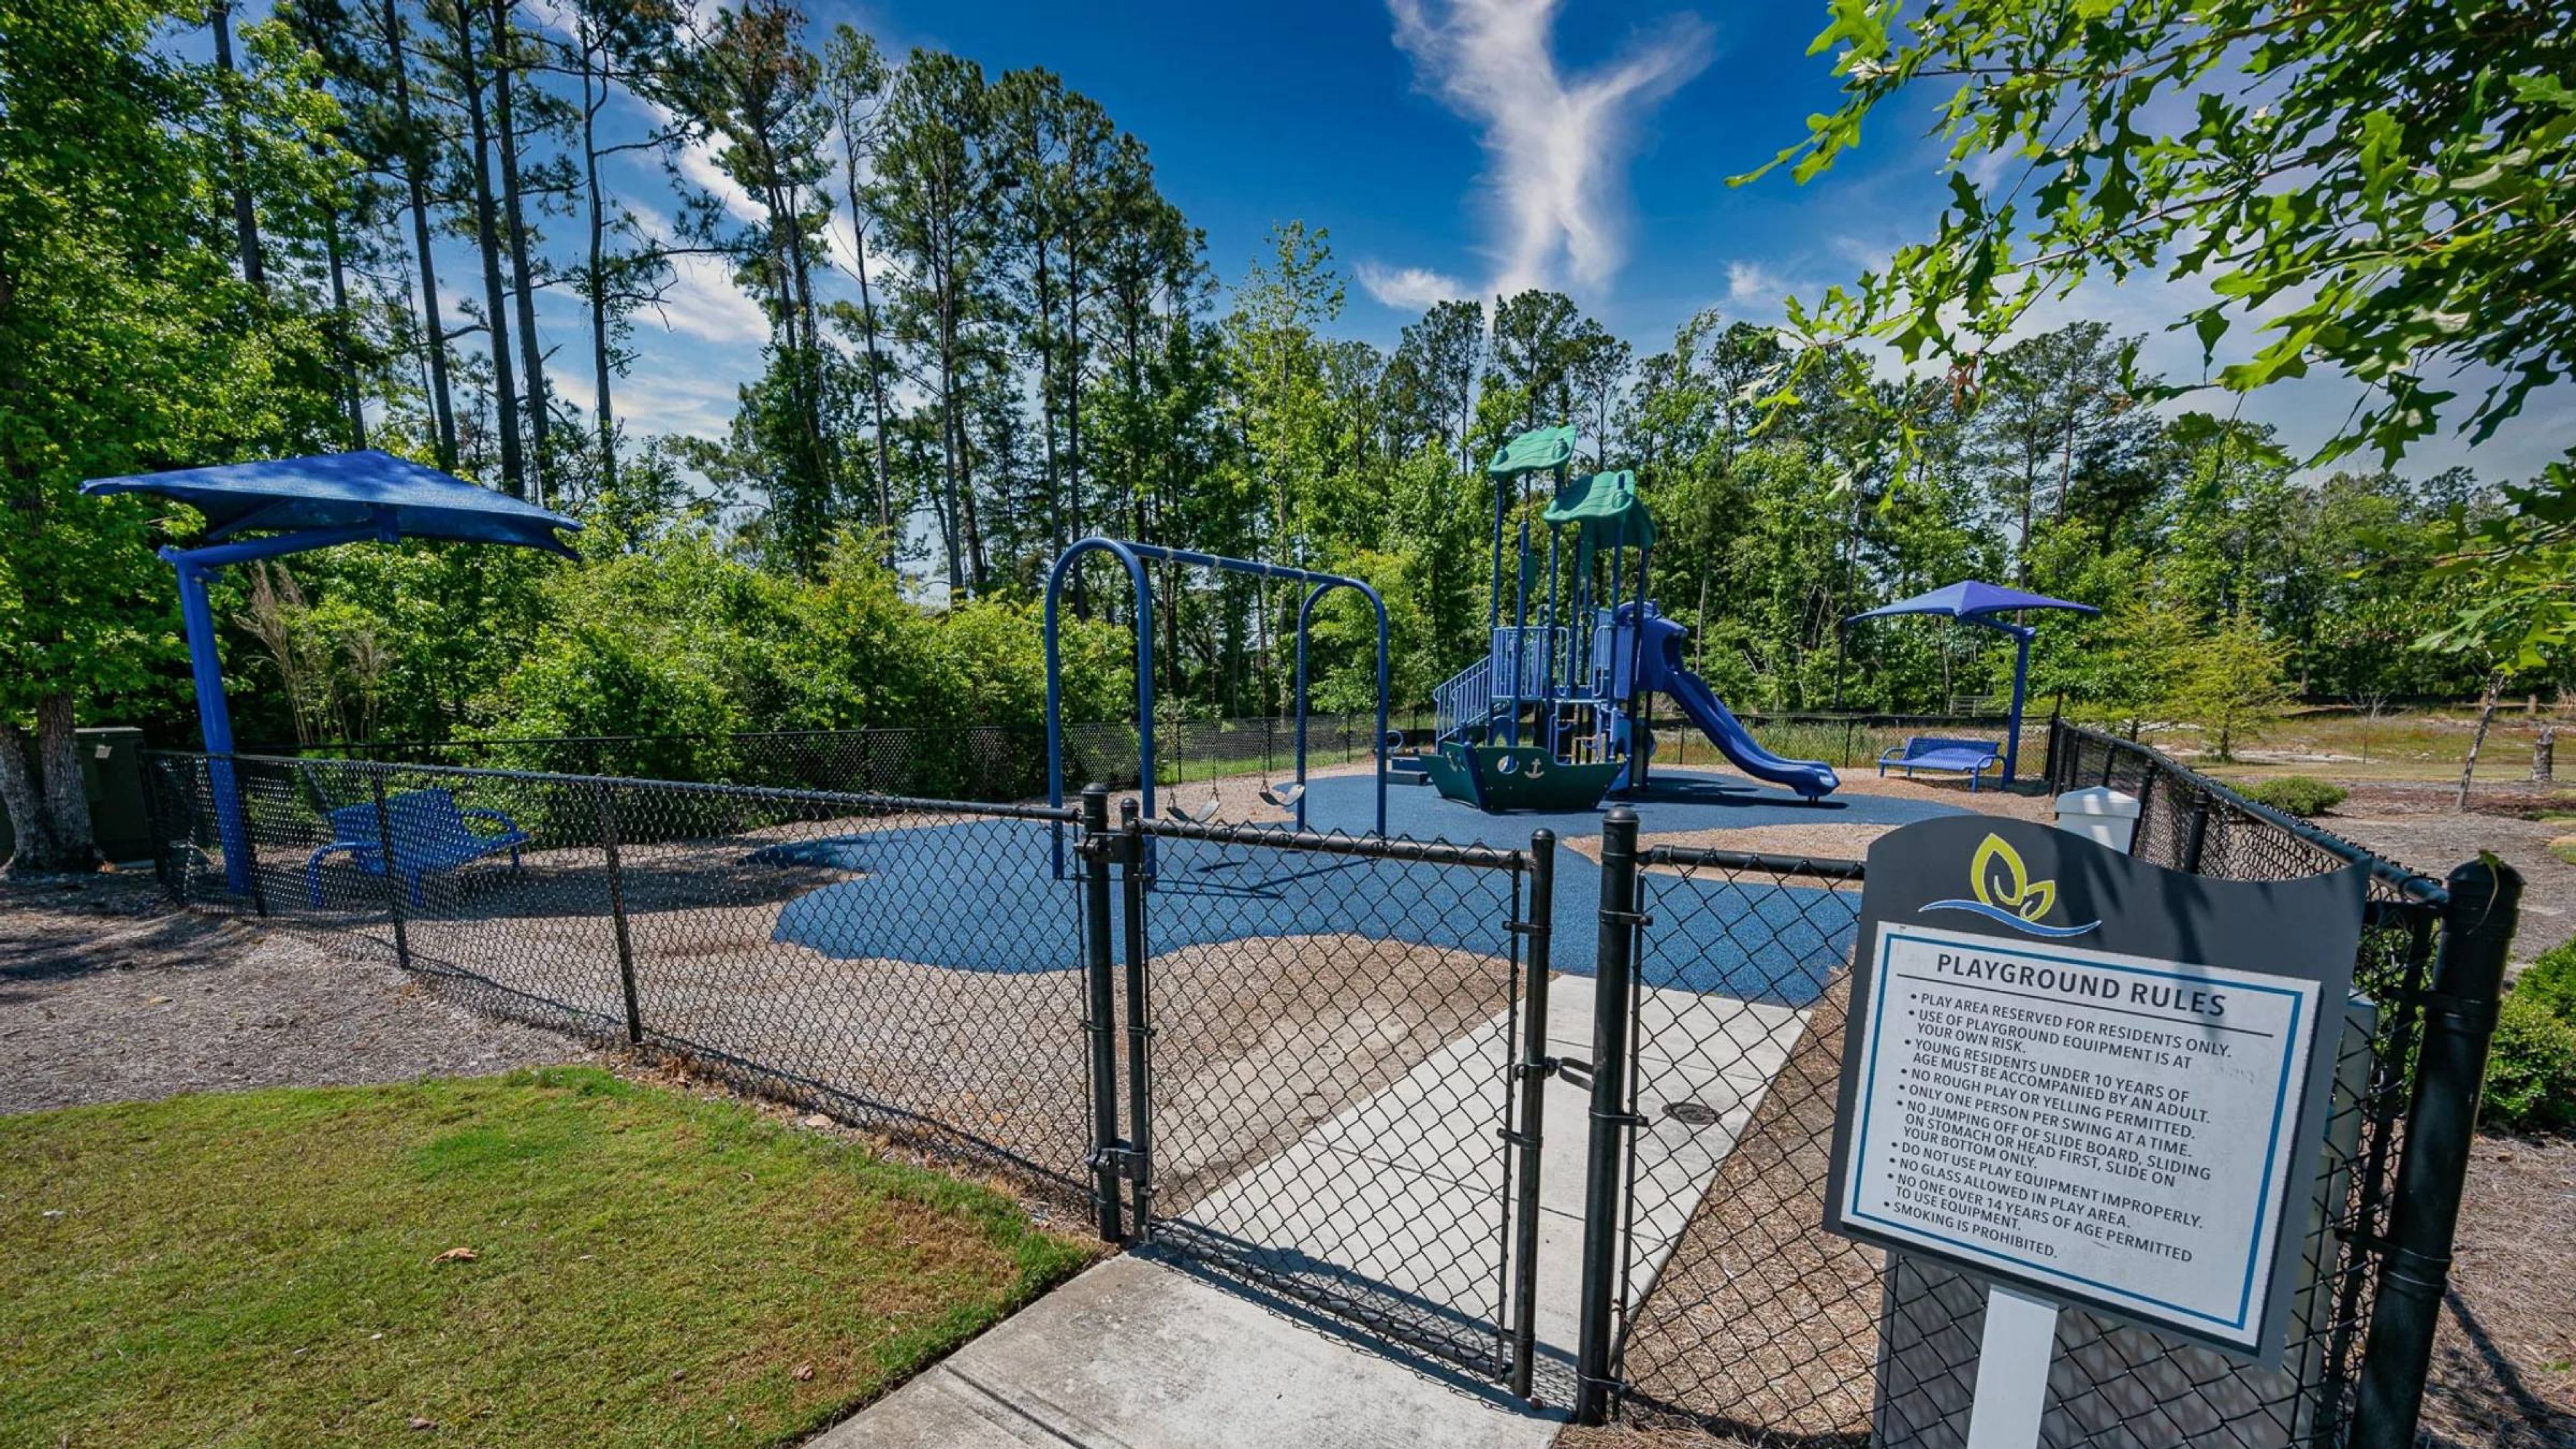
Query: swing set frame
{"x": 1132, "y": 556}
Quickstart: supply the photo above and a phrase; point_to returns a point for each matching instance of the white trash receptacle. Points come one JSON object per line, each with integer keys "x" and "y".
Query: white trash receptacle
{"x": 2100, "y": 814}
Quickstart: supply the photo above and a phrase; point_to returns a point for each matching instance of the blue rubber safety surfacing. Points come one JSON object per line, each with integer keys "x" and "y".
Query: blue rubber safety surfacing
{"x": 1747, "y": 939}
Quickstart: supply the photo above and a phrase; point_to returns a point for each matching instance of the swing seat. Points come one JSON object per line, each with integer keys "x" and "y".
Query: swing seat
{"x": 1205, "y": 811}
{"x": 1285, "y": 795}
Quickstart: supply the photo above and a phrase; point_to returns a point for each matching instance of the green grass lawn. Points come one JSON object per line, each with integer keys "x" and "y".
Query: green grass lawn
{"x": 264, "y": 1268}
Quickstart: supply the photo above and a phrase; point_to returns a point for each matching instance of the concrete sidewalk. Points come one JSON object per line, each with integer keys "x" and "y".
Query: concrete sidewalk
{"x": 1139, "y": 1353}
{"x": 1400, "y": 1188}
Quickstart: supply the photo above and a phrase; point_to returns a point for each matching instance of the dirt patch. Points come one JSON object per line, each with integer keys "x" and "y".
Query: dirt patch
{"x": 107, "y": 993}
{"x": 2504, "y": 1361}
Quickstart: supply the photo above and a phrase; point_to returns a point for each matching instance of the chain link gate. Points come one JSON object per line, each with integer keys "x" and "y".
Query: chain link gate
{"x": 1327, "y": 1062}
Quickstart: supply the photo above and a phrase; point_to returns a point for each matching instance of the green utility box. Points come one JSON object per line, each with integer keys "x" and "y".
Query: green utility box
{"x": 112, "y": 777}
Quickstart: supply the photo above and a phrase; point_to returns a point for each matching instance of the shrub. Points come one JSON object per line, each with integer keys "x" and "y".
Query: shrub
{"x": 2300, "y": 795}
{"x": 2551, "y": 980}
{"x": 2531, "y": 1068}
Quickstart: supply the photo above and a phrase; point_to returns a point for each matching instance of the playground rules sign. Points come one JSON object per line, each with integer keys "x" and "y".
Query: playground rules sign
{"x": 2090, "y": 1078}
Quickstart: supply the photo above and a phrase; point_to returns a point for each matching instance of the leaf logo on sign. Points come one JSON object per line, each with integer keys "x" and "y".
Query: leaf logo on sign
{"x": 2005, "y": 892}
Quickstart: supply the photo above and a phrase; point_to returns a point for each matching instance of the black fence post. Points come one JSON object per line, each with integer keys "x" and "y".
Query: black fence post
{"x": 1534, "y": 1070}
{"x": 1615, "y": 961}
{"x": 250, "y": 841}
{"x": 1100, "y": 969}
{"x": 1140, "y": 1023}
{"x": 2450, "y": 1069}
{"x": 2195, "y": 834}
{"x": 393, "y": 877}
{"x": 606, "y": 797}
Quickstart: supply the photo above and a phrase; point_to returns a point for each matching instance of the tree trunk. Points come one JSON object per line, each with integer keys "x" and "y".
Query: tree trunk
{"x": 515, "y": 215}
{"x": 48, "y": 809}
{"x": 355, "y": 395}
{"x": 487, "y": 236}
{"x": 1073, "y": 412}
{"x": 602, "y": 364}
{"x": 434, "y": 337}
{"x": 245, "y": 220}
{"x": 876, "y": 369}
{"x": 2478, "y": 741}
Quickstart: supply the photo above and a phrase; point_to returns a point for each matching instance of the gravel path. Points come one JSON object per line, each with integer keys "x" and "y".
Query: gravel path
{"x": 107, "y": 994}
{"x": 2417, "y": 825}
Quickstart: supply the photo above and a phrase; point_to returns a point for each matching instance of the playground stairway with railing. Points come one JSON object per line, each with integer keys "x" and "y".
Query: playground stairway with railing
{"x": 1471, "y": 703}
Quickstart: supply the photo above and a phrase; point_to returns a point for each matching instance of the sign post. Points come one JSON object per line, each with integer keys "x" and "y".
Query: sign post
{"x": 2087, "y": 1081}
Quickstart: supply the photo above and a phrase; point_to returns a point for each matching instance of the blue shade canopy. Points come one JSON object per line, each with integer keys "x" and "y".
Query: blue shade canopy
{"x": 1971, "y": 599}
{"x": 349, "y": 490}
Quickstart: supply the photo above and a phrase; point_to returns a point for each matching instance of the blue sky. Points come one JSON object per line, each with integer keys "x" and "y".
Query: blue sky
{"x": 1454, "y": 147}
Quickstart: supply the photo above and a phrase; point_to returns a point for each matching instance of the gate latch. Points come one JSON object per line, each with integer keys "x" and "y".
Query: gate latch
{"x": 1573, "y": 1069}
{"x": 1121, "y": 1158}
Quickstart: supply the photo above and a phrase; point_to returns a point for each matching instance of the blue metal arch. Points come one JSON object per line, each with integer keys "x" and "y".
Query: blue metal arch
{"x": 1132, "y": 556}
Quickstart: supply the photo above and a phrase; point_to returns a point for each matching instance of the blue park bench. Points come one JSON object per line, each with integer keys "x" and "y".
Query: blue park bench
{"x": 428, "y": 831}
{"x": 1931, "y": 752}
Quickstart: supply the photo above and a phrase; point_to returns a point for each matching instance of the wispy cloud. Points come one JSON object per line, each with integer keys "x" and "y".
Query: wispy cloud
{"x": 703, "y": 302}
{"x": 1751, "y": 285}
{"x": 1411, "y": 289}
{"x": 1558, "y": 144}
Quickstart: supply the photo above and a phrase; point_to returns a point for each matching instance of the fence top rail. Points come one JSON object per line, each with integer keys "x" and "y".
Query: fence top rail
{"x": 1978, "y": 719}
{"x": 2406, "y": 880}
{"x": 882, "y": 804}
{"x": 285, "y": 747}
{"x": 1690, "y": 856}
{"x": 1280, "y": 837}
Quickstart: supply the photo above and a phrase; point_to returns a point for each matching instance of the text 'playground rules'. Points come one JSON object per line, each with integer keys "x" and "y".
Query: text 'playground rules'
{"x": 2117, "y": 1126}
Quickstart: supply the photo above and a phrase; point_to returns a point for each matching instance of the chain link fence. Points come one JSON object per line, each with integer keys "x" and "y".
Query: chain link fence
{"x": 1740, "y": 1316}
{"x": 1334, "y": 1027}
{"x": 1844, "y": 741}
{"x": 978, "y": 763}
{"x": 842, "y": 951}
{"x": 1316, "y": 1065}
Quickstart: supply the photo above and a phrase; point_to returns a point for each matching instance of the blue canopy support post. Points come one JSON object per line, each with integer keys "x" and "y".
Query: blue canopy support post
{"x": 214, "y": 721}
{"x": 1973, "y": 601}
{"x": 2021, "y": 684}
{"x": 303, "y": 504}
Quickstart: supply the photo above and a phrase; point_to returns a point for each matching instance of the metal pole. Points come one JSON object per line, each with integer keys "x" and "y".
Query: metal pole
{"x": 1100, "y": 970}
{"x": 250, "y": 851}
{"x": 606, "y": 796}
{"x": 2195, "y": 831}
{"x": 1534, "y": 1070}
{"x": 1140, "y": 1023}
{"x": 1520, "y": 636}
{"x": 2459, "y": 1018}
{"x": 393, "y": 883}
{"x": 2021, "y": 681}
{"x": 1615, "y": 962}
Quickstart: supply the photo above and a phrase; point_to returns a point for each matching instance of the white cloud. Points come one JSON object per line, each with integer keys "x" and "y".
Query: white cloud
{"x": 1750, "y": 285}
{"x": 703, "y": 302}
{"x": 1557, "y": 144}
{"x": 672, "y": 402}
{"x": 1411, "y": 289}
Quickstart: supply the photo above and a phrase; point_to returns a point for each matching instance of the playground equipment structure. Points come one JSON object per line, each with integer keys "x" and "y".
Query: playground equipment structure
{"x": 1555, "y": 715}
{"x": 1290, "y": 795}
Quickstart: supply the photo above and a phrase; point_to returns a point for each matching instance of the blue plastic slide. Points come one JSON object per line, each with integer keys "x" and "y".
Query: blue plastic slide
{"x": 1660, "y": 668}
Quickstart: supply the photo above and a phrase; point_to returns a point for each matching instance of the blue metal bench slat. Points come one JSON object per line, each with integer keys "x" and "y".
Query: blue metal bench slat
{"x": 428, "y": 831}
